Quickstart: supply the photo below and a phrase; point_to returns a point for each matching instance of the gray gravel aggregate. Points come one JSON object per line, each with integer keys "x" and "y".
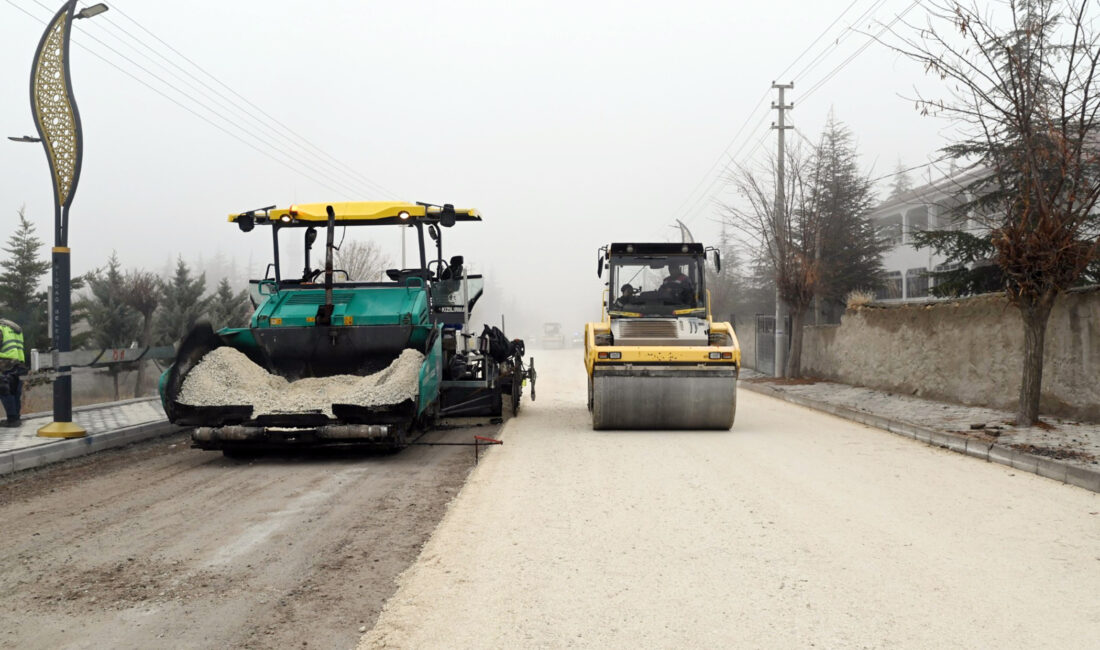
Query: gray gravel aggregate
{"x": 226, "y": 377}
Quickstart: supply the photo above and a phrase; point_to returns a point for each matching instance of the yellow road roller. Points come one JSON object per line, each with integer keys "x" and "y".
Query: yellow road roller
{"x": 657, "y": 360}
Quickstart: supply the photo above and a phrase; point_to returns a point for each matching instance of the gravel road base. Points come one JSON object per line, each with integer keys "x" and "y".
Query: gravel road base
{"x": 163, "y": 546}
{"x": 794, "y": 530}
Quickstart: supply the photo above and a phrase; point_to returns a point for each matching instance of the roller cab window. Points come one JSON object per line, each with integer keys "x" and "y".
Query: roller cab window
{"x": 656, "y": 285}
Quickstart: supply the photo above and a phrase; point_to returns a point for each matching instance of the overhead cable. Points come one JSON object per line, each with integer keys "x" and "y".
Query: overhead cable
{"x": 186, "y": 108}
{"x": 704, "y": 198}
{"x": 305, "y": 142}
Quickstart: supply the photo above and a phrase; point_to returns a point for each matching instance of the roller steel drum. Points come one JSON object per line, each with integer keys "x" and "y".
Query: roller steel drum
{"x": 663, "y": 397}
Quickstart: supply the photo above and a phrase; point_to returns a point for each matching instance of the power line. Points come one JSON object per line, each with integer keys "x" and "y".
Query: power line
{"x": 909, "y": 169}
{"x": 832, "y": 73}
{"x": 296, "y": 162}
{"x": 344, "y": 186}
{"x": 201, "y": 89}
{"x": 884, "y": 176}
{"x": 814, "y": 42}
{"x": 725, "y": 151}
{"x": 706, "y": 196}
{"x": 204, "y": 118}
{"x": 340, "y": 164}
{"x": 228, "y": 119}
{"x": 828, "y": 49}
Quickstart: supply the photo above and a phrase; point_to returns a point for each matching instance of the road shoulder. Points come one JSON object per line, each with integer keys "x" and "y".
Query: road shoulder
{"x": 1065, "y": 451}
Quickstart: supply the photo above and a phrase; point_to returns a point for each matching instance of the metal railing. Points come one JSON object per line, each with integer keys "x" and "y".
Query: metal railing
{"x": 46, "y": 360}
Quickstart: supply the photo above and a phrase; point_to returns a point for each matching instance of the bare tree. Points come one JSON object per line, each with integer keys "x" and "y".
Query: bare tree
{"x": 727, "y": 292}
{"x": 364, "y": 261}
{"x": 1021, "y": 87}
{"x": 787, "y": 233}
{"x": 820, "y": 244}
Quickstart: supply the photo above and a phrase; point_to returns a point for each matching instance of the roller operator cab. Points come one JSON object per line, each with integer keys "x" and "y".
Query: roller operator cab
{"x": 552, "y": 337}
{"x": 657, "y": 360}
{"x": 350, "y": 336}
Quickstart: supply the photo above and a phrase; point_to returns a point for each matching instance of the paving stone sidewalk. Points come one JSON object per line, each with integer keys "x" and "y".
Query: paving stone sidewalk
{"x": 108, "y": 425}
{"x": 1069, "y": 443}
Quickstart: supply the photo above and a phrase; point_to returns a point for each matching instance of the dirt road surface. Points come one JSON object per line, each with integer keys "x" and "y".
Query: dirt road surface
{"x": 795, "y": 529}
{"x": 163, "y": 546}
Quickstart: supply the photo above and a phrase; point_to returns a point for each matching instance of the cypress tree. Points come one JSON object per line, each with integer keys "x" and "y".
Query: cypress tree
{"x": 229, "y": 308}
{"x": 113, "y": 323}
{"x": 21, "y": 274}
{"x": 182, "y": 304}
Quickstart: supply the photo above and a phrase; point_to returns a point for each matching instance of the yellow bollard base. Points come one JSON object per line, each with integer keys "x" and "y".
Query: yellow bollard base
{"x": 62, "y": 430}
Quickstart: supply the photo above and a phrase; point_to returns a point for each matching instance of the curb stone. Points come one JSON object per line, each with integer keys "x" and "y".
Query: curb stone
{"x": 94, "y": 407}
{"x": 18, "y": 460}
{"x": 978, "y": 448}
{"x": 1082, "y": 477}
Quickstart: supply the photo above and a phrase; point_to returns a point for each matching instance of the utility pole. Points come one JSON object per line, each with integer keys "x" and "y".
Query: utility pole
{"x": 780, "y": 227}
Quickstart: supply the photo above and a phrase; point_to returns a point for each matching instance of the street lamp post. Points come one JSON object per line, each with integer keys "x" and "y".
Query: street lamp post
{"x": 58, "y": 123}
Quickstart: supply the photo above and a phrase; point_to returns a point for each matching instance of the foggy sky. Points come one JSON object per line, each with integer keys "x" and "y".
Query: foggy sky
{"x": 567, "y": 124}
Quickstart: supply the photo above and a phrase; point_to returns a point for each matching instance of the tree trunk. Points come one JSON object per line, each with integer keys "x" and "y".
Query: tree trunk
{"x": 146, "y": 339}
{"x": 1035, "y": 316}
{"x": 794, "y": 357}
{"x": 140, "y": 378}
{"x": 817, "y": 269}
{"x": 114, "y": 376}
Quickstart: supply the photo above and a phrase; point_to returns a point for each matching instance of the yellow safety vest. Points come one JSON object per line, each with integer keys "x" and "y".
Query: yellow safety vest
{"x": 11, "y": 341}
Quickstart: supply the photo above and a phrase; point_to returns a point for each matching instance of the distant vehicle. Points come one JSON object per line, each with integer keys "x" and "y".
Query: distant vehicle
{"x": 577, "y": 340}
{"x": 552, "y": 336}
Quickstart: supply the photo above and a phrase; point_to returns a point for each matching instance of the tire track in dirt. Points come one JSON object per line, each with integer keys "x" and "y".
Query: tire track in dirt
{"x": 160, "y": 545}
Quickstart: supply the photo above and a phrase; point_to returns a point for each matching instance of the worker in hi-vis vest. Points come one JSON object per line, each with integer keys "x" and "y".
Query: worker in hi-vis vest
{"x": 12, "y": 365}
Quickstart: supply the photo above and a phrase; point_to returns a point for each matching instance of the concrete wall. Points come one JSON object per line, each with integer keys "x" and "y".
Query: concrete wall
{"x": 964, "y": 351}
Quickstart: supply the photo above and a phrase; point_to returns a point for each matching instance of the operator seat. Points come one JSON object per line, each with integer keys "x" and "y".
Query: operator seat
{"x": 454, "y": 269}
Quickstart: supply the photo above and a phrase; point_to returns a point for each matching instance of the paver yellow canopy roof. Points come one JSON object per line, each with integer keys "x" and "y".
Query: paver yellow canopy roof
{"x": 361, "y": 212}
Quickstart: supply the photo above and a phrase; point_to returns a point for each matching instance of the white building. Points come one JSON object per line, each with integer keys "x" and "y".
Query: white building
{"x": 932, "y": 206}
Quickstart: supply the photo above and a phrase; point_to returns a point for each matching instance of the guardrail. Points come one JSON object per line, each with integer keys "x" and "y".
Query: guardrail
{"x": 50, "y": 359}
